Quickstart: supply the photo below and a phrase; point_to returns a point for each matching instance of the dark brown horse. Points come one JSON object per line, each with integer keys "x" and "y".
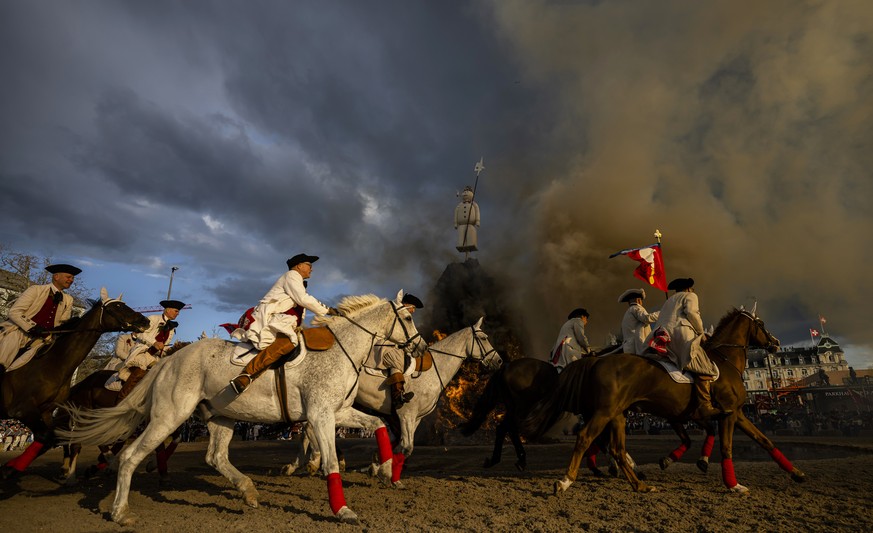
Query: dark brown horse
{"x": 91, "y": 393}
{"x": 518, "y": 386}
{"x": 32, "y": 392}
{"x": 602, "y": 391}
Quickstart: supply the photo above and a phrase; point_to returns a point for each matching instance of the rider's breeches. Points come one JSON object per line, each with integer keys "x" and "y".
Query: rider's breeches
{"x": 283, "y": 345}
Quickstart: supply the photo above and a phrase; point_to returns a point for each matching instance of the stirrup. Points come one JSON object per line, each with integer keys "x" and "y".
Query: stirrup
{"x": 237, "y": 386}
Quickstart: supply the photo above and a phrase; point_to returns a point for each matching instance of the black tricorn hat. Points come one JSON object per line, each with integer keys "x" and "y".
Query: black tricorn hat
{"x": 680, "y": 284}
{"x": 578, "y": 312}
{"x": 172, "y": 304}
{"x": 300, "y": 258}
{"x": 63, "y": 269}
{"x": 409, "y": 299}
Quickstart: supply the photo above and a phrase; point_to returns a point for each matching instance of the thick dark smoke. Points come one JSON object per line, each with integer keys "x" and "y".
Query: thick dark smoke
{"x": 741, "y": 130}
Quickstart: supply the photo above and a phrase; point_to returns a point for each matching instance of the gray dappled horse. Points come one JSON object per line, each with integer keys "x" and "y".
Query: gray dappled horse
{"x": 320, "y": 388}
{"x": 470, "y": 343}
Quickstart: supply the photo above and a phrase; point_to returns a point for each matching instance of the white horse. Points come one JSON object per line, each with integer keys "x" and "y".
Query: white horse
{"x": 320, "y": 388}
{"x": 448, "y": 355}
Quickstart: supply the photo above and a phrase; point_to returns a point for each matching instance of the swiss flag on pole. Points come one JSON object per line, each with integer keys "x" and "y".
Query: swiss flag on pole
{"x": 813, "y": 332}
{"x": 651, "y": 269}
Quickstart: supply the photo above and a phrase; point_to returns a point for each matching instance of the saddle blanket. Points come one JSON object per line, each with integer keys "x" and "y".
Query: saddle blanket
{"x": 673, "y": 371}
{"x": 243, "y": 352}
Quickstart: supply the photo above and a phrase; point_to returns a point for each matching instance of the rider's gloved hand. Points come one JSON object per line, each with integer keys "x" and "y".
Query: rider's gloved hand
{"x": 38, "y": 331}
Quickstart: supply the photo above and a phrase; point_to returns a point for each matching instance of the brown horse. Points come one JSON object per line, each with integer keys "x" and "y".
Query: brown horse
{"x": 603, "y": 390}
{"x": 91, "y": 393}
{"x": 518, "y": 386}
{"x": 32, "y": 392}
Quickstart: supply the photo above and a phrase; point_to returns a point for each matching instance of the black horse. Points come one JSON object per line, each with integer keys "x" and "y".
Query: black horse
{"x": 32, "y": 392}
{"x": 518, "y": 385}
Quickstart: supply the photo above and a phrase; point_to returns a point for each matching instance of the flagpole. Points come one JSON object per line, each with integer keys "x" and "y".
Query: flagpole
{"x": 812, "y": 338}
{"x": 658, "y": 237}
{"x": 821, "y": 323}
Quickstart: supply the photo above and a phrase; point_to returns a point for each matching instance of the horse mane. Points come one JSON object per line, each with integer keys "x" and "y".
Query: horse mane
{"x": 350, "y": 306}
{"x": 725, "y": 320}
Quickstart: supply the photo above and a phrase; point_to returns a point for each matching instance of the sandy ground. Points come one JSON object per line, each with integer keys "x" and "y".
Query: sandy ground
{"x": 446, "y": 489}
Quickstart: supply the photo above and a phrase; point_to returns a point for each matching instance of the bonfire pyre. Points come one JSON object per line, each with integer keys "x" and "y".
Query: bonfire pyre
{"x": 463, "y": 293}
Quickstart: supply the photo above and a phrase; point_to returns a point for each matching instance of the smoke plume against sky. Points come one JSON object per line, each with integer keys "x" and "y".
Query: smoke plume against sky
{"x": 224, "y": 137}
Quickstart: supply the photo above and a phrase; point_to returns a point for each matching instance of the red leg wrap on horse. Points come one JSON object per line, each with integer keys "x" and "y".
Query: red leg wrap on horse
{"x": 727, "y": 473}
{"x": 708, "y": 443}
{"x": 397, "y": 467}
{"x": 384, "y": 443}
{"x": 335, "y": 492}
{"x": 781, "y": 460}
{"x": 591, "y": 456}
{"x": 678, "y": 452}
{"x": 21, "y": 462}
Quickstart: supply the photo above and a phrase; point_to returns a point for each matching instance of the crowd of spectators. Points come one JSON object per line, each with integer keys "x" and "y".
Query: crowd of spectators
{"x": 14, "y": 436}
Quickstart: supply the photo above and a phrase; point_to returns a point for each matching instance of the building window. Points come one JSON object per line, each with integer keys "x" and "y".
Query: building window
{"x": 803, "y": 372}
{"x": 757, "y": 373}
{"x": 790, "y": 373}
{"x": 802, "y": 360}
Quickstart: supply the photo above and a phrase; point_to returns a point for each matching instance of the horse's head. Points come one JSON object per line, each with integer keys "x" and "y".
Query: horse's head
{"x": 115, "y": 315}
{"x": 740, "y": 328}
{"x": 480, "y": 348}
{"x": 759, "y": 336}
{"x": 402, "y": 330}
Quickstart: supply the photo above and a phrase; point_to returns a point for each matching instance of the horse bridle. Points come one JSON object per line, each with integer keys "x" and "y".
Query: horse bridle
{"x": 103, "y": 306}
{"x": 374, "y": 335}
{"x": 759, "y": 325}
{"x": 470, "y": 354}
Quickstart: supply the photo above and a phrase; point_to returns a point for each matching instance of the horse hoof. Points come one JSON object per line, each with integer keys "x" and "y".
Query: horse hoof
{"x": 739, "y": 489}
{"x": 125, "y": 519}
{"x": 613, "y": 471}
{"x": 488, "y": 463}
{"x": 562, "y": 485}
{"x": 647, "y": 488}
{"x": 798, "y": 476}
{"x": 521, "y": 465}
{"x": 665, "y": 462}
{"x": 288, "y": 470}
{"x": 7, "y": 472}
{"x": 347, "y": 516}
{"x": 342, "y": 465}
{"x": 703, "y": 465}
{"x": 597, "y": 472}
{"x": 398, "y": 485}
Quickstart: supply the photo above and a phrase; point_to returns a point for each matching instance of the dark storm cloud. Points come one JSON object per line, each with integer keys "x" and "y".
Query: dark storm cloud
{"x": 233, "y": 135}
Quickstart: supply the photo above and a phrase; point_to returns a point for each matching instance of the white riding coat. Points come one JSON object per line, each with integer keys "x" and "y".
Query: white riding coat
{"x": 141, "y": 342}
{"x": 572, "y": 342}
{"x": 635, "y": 327}
{"x": 13, "y": 331}
{"x": 269, "y": 317}
{"x": 680, "y": 318}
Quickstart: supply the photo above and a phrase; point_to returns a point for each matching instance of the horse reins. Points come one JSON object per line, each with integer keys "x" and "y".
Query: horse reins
{"x": 373, "y": 336}
{"x": 744, "y": 347}
{"x": 470, "y": 354}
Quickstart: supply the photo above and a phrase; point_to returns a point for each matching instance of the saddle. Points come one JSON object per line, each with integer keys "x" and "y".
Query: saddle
{"x": 318, "y": 339}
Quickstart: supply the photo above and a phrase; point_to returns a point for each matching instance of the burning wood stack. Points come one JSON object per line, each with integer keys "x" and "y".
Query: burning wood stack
{"x": 463, "y": 293}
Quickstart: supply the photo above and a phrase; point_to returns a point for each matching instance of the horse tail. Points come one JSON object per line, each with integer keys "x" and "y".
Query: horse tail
{"x": 565, "y": 397}
{"x": 93, "y": 427}
{"x": 485, "y": 404}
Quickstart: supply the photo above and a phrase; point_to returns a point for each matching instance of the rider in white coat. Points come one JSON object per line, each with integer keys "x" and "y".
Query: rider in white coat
{"x": 275, "y": 320}
{"x": 636, "y": 323}
{"x": 572, "y": 343}
{"x": 680, "y": 322}
{"x": 38, "y": 310}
